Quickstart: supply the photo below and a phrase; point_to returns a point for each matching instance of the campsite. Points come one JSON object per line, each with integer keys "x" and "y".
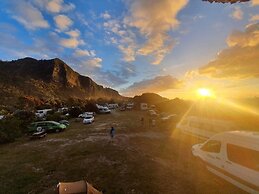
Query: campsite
{"x": 140, "y": 159}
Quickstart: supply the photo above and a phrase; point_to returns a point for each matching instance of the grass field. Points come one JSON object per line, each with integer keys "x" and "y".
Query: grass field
{"x": 140, "y": 159}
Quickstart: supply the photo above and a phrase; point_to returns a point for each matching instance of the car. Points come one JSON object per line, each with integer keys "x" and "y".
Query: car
{"x": 152, "y": 113}
{"x": 65, "y": 122}
{"x": 85, "y": 114}
{"x": 2, "y": 117}
{"x": 169, "y": 118}
{"x": 89, "y": 119}
{"x": 104, "y": 110}
{"x": 49, "y": 126}
{"x": 233, "y": 156}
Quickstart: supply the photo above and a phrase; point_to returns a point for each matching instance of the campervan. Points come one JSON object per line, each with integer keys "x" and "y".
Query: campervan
{"x": 113, "y": 106}
{"x": 233, "y": 156}
{"x": 204, "y": 127}
{"x": 42, "y": 113}
{"x": 143, "y": 106}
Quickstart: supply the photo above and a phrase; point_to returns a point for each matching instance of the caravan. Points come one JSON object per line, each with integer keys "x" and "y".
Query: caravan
{"x": 233, "y": 156}
{"x": 204, "y": 127}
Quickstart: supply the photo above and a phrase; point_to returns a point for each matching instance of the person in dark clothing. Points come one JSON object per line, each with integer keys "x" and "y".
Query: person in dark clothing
{"x": 142, "y": 121}
{"x": 112, "y": 132}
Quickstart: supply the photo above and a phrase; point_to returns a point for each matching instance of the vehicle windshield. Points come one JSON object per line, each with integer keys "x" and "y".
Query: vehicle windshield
{"x": 129, "y": 96}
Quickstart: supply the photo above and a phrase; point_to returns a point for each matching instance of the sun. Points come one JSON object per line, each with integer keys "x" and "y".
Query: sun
{"x": 204, "y": 92}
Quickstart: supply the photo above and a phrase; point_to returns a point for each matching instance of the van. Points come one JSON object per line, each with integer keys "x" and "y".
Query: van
{"x": 204, "y": 127}
{"x": 233, "y": 156}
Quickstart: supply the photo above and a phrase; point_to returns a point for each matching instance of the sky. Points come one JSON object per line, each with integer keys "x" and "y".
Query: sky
{"x": 170, "y": 47}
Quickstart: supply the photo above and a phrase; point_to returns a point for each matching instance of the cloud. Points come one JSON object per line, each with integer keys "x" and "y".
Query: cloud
{"x": 71, "y": 42}
{"x": 226, "y": 1}
{"x": 54, "y": 6}
{"x": 240, "y": 60}
{"x": 237, "y": 14}
{"x": 28, "y": 15}
{"x": 73, "y": 33}
{"x": 63, "y": 22}
{"x": 95, "y": 62}
{"x": 80, "y": 53}
{"x": 122, "y": 37}
{"x": 255, "y": 2}
{"x": 154, "y": 19}
{"x": 254, "y": 18}
{"x": 157, "y": 84}
{"x": 106, "y": 15}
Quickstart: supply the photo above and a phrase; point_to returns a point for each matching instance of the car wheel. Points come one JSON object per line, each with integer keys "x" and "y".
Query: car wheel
{"x": 57, "y": 130}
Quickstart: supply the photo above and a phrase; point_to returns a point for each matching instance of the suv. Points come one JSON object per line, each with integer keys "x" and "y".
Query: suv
{"x": 49, "y": 126}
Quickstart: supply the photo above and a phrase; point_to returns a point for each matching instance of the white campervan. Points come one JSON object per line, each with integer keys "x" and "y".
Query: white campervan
{"x": 204, "y": 127}
{"x": 233, "y": 156}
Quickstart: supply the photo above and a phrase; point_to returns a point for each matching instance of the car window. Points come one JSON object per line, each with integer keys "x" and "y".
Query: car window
{"x": 212, "y": 146}
{"x": 243, "y": 156}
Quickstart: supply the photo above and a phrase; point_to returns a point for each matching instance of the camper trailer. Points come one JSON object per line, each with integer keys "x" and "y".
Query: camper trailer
{"x": 143, "y": 106}
{"x": 204, "y": 127}
{"x": 233, "y": 156}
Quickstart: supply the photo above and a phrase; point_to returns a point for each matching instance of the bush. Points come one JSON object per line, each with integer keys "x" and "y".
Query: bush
{"x": 74, "y": 112}
{"x": 55, "y": 117}
{"x": 10, "y": 129}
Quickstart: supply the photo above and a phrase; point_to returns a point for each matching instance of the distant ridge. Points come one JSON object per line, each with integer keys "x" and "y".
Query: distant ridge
{"x": 47, "y": 80}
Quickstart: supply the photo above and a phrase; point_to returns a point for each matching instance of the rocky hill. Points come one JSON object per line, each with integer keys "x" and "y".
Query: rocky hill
{"x": 47, "y": 80}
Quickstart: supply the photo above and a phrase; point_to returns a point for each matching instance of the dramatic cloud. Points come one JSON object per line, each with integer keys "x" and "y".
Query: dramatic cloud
{"x": 237, "y": 14}
{"x": 157, "y": 84}
{"x": 122, "y": 37}
{"x": 154, "y": 19}
{"x": 63, "y": 22}
{"x": 240, "y": 60}
{"x": 28, "y": 15}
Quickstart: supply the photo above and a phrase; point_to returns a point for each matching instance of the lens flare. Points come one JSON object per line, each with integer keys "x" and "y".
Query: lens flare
{"x": 204, "y": 92}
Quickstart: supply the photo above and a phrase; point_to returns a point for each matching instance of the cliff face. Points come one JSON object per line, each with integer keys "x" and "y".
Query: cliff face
{"x": 48, "y": 80}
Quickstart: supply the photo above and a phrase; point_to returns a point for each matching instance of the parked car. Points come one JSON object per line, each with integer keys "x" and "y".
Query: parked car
{"x": 49, "y": 126}
{"x": 2, "y": 117}
{"x": 89, "y": 119}
{"x": 65, "y": 122}
{"x": 104, "y": 110}
{"x": 233, "y": 156}
{"x": 169, "y": 118}
{"x": 85, "y": 114}
{"x": 152, "y": 113}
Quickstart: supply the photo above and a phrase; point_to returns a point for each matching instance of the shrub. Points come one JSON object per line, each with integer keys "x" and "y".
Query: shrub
{"x": 74, "y": 112}
{"x": 10, "y": 129}
{"x": 55, "y": 117}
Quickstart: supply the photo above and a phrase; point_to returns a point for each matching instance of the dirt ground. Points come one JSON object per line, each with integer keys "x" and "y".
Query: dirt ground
{"x": 140, "y": 159}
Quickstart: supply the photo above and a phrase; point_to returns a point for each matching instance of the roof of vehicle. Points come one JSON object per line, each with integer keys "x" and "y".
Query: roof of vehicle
{"x": 245, "y": 138}
{"x": 45, "y": 122}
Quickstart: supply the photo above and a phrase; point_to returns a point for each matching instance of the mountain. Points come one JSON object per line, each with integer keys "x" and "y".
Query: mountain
{"x": 50, "y": 81}
{"x": 150, "y": 98}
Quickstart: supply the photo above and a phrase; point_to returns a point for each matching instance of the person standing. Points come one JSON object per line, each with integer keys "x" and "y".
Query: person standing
{"x": 142, "y": 121}
{"x": 112, "y": 132}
